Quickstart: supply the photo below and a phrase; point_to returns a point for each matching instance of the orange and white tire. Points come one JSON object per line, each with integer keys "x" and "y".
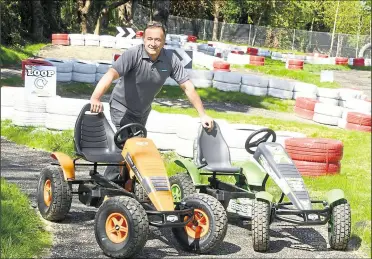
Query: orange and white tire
{"x": 359, "y": 118}
{"x": 306, "y": 103}
{"x": 60, "y": 36}
{"x": 317, "y": 169}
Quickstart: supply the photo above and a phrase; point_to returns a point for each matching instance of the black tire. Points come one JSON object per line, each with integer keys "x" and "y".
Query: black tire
{"x": 217, "y": 228}
{"x": 185, "y": 183}
{"x": 261, "y": 226}
{"x": 339, "y": 226}
{"x": 140, "y": 192}
{"x": 137, "y": 227}
{"x": 60, "y": 191}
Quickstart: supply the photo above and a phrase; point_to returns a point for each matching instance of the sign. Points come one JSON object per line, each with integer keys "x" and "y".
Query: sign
{"x": 41, "y": 80}
{"x": 127, "y": 33}
{"x": 185, "y": 56}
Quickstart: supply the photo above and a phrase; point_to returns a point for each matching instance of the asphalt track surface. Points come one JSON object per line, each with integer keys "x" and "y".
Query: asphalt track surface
{"x": 74, "y": 237}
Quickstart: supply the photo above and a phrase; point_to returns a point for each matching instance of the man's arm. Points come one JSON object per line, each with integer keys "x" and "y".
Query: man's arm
{"x": 101, "y": 88}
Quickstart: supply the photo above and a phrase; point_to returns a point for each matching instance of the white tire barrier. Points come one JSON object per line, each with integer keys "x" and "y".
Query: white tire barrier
{"x": 107, "y": 41}
{"x": 330, "y": 101}
{"x": 281, "y": 84}
{"x": 103, "y": 66}
{"x": 227, "y": 81}
{"x": 280, "y": 93}
{"x": 64, "y": 77}
{"x": 325, "y": 119}
{"x": 31, "y": 103}
{"x": 358, "y": 105}
{"x": 84, "y": 67}
{"x": 200, "y": 74}
{"x": 304, "y": 94}
{"x": 60, "y": 122}
{"x": 65, "y": 106}
{"x": 25, "y": 118}
{"x": 329, "y": 110}
{"x": 62, "y": 66}
{"x": 91, "y": 40}
{"x": 256, "y": 81}
{"x": 329, "y": 93}
{"x": 77, "y": 42}
{"x": 347, "y": 93}
{"x": 83, "y": 78}
{"x": 226, "y": 86}
{"x": 252, "y": 90}
{"x": 9, "y": 93}
{"x": 201, "y": 83}
{"x": 238, "y": 59}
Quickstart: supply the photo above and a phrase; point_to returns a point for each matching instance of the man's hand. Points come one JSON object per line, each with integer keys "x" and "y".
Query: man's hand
{"x": 96, "y": 105}
{"x": 207, "y": 122}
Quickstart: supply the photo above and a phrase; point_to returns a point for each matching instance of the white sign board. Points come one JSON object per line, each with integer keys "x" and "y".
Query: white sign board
{"x": 41, "y": 80}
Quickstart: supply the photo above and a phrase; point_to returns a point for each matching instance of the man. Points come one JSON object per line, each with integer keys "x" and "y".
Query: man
{"x": 143, "y": 70}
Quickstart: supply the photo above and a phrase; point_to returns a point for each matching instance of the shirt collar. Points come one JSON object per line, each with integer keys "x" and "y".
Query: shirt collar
{"x": 161, "y": 56}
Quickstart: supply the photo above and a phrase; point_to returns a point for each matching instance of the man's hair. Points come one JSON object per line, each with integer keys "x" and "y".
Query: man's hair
{"x": 154, "y": 24}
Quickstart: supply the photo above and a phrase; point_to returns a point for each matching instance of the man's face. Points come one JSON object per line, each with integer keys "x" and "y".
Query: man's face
{"x": 154, "y": 40}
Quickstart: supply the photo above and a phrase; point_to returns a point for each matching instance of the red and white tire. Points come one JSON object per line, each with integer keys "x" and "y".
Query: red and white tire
{"x": 60, "y": 36}
{"x": 315, "y": 144}
{"x": 317, "y": 169}
{"x": 306, "y": 103}
{"x": 304, "y": 113}
{"x": 359, "y": 118}
{"x": 352, "y": 126}
{"x": 221, "y": 65}
{"x": 256, "y": 60}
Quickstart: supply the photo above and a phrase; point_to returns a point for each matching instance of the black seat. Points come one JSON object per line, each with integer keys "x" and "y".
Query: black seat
{"x": 213, "y": 150}
{"x": 94, "y": 138}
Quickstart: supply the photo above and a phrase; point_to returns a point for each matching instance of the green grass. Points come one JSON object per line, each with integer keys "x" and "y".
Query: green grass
{"x": 22, "y": 231}
{"x": 14, "y": 55}
{"x": 12, "y": 81}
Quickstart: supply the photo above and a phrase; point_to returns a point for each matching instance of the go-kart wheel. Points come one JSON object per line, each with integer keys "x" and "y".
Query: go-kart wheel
{"x": 208, "y": 229}
{"x": 121, "y": 227}
{"x": 261, "y": 226}
{"x": 249, "y": 145}
{"x": 339, "y": 226}
{"x": 181, "y": 186}
{"x": 140, "y": 192}
{"x": 54, "y": 194}
{"x": 129, "y": 131}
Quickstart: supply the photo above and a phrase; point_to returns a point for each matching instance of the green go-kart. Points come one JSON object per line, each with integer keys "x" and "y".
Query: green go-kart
{"x": 248, "y": 199}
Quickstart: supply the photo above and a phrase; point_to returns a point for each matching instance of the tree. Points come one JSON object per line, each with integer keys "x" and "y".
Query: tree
{"x": 160, "y": 11}
{"x": 83, "y": 9}
{"x": 37, "y": 20}
{"x": 103, "y": 15}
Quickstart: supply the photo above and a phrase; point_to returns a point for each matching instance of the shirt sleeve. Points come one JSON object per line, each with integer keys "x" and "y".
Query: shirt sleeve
{"x": 179, "y": 73}
{"x": 125, "y": 62}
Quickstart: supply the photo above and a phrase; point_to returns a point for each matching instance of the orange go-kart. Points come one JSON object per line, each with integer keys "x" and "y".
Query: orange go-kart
{"x": 140, "y": 197}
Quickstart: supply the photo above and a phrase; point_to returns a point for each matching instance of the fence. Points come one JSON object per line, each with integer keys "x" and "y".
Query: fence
{"x": 344, "y": 45}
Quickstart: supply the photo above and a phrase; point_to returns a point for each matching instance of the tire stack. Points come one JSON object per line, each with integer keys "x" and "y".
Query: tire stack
{"x": 256, "y": 60}
{"x": 348, "y": 93}
{"x": 186, "y": 134}
{"x": 315, "y": 157}
{"x": 328, "y": 96}
{"x": 276, "y": 55}
{"x": 201, "y": 78}
{"x": 341, "y": 61}
{"x": 358, "y": 121}
{"x": 8, "y": 95}
{"x": 221, "y": 66}
{"x": 281, "y": 88}
{"x": 327, "y": 114}
{"x": 304, "y": 107}
{"x": 358, "y": 105}
{"x": 60, "y": 39}
{"x": 227, "y": 81}
{"x": 254, "y": 85}
{"x": 84, "y": 72}
{"x": 358, "y": 62}
{"x": 29, "y": 110}
{"x": 264, "y": 52}
{"x": 64, "y": 69}
{"x": 102, "y": 68}
{"x": 77, "y": 39}
{"x": 107, "y": 41}
{"x": 252, "y": 51}
{"x": 305, "y": 90}
{"x": 91, "y": 40}
{"x": 191, "y": 38}
{"x": 294, "y": 64}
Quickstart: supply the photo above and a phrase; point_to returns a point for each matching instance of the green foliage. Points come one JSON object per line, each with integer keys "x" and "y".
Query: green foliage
{"x": 15, "y": 55}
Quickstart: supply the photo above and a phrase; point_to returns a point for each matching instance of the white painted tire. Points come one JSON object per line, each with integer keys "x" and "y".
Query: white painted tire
{"x": 163, "y": 141}
{"x": 276, "y": 54}
{"x": 7, "y": 112}
{"x": 346, "y": 93}
{"x": 358, "y": 105}
{"x": 60, "y": 122}
{"x": 201, "y": 83}
{"x": 341, "y": 103}
{"x": 327, "y": 109}
{"x": 84, "y": 67}
{"x": 305, "y": 88}
{"x": 107, "y": 38}
{"x": 329, "y": 101}
{"x": 342, "y": 123}
{"x": 64, "y": 77}
{"x": 107, "y": 44}
{"x": 92, "y": 37}
{"x": 83, "y": 78}
{"x": 304, "y": 94}
{"x": 325, "y": 119}
{"x": 256, "y": 81}
{"x": 22, "y": 118}
{"x": 77, "y": 42}
{"x": 92, "y": 43}
{"x": 200, "y": 74}
{"x": 65, "y": 106}
{"x": 226, "y": 87}
{"x": 280, "y": 93}
{"x": 281, "y": 84}
{"x": 256, "y": 91}
{"x": 9, "y": 93}
{"x": 76, "y": 36}
{"x": 62, "y": 66}
{"x": 31, "y": 103}
{"x": 276, "y": 58}
{"x": 227, "y": 77}
{"x": 328, "y": 92}
{"x": 103, "y": 66}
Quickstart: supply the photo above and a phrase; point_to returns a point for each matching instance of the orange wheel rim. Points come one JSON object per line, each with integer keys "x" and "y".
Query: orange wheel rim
{"x": 116, "y": 227}
{"x": 199, "y": 226}
{"x": 47, "y": 192}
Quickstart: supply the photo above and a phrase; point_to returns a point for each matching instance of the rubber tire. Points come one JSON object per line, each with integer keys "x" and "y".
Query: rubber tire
{"x": 184, "y": 181}
{"x": 140, "y": 192}
{"x": 339, "y": 235}
{"x": 217, "y": 229}
{"x": 261, "y": 226}
{"x": 138, "y": 227}
{"x": 61, "y": 194}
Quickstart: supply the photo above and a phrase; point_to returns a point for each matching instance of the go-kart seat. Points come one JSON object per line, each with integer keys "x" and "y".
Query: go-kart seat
{"x": 213, "y": 150}
{"x": 94, "y": 138}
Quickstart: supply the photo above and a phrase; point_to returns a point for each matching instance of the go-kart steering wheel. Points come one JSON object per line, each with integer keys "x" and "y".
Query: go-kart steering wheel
{"x": 130, "y": 130}
{"x": 249, "y": 145}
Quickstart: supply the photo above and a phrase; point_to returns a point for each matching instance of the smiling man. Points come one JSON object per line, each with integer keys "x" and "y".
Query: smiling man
{"x": 143, "y": 70}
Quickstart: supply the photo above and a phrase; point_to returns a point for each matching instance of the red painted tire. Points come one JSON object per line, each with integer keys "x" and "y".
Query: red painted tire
{"x": 257, "y": 58}
{"x": 359, "y": 118}
{"x": 303, "y": 113}
{"x": 352, "y": 126}
{"x": 191, "y": 38}
{"x": 218, "y": 54}
{"x": 341, "y": 59}
{"x": 222, "y": 70}
{"x": 315, "y": 144}
{"x": 252, "y": 51}
{"x": 358, "y": 62}
{"x": 295, "y": 62}
{"x": 60, "y": 36}
{"x": 61, "y": 42}
{"x": 221, "y": 65}
{"x": 310, "y": 156}
{"x": 317, "y": 169}
{"x": 306, "y": 103}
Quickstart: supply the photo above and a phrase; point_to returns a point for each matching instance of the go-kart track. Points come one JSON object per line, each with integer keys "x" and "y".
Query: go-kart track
{"x": 74, "y": 236}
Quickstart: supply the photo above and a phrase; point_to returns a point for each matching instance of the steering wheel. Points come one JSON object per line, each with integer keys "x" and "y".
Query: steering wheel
{"x": 249, "y": 145}
{"x": 129, "y": 131}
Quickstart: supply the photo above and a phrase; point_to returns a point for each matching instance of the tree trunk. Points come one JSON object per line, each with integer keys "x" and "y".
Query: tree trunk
{"x": 160, "y": 11}
{"x": 309, "y": 49}
{"x": 104, "y": 14}
{"x": 37, "y": 20}
{"x": 255, "y": 29}
{"x": 334, "y": 28}
{"x": 216, "y": 14}
{"x": 222, "y": 29}
{"x": 83, "y": 9}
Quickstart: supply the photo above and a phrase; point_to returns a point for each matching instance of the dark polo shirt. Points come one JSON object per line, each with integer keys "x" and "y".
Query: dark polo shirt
{"x": 141, "y": 78}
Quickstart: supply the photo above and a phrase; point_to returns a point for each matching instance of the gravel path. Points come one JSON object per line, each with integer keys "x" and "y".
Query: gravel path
{"x": 74, "y": 237}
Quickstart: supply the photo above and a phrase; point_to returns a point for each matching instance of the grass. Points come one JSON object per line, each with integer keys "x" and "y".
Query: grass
{"x": 14, "y": 55}
{"x": 354, "y": 179}
{"x": 22, "y": 232}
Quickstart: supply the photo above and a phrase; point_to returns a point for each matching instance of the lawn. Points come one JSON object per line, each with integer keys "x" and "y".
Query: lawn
{"x": 10, "y": 56}
{"x": 23, "y": 234}
{"x": 354, "y": 179}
